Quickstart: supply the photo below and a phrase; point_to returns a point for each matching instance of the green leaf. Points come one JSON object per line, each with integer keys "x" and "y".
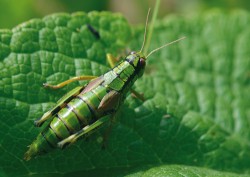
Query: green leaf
{"x": 197, "y": 95}
{"x": 180, "y": 171}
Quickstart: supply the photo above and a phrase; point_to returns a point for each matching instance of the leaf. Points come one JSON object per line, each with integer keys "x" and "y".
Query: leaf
{"x": 197, "y": 103}
{"x": 181, "y": 170}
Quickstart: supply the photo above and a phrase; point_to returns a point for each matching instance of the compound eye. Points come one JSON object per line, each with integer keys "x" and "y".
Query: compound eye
{"x": 142, "y": 62}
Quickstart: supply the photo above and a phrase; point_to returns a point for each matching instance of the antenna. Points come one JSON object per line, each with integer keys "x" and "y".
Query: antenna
{"x": 145, "y": 31}
{"x": 165, "y": 45}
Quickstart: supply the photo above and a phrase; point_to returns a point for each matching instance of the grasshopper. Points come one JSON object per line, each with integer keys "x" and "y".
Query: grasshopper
{"x": 85, "y": 108}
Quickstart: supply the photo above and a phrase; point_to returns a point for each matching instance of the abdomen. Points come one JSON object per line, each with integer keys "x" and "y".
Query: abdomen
{"x": 78, "y": 113}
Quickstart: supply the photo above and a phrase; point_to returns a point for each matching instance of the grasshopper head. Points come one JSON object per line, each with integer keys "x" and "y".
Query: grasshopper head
{"x": 138, "y": 60}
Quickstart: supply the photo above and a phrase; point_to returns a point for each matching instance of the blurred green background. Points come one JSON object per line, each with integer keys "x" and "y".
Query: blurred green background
{"x": 14, "y": 12}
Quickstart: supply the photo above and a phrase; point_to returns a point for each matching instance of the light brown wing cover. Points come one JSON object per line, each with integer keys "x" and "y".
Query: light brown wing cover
{"x": 110, "y": 102}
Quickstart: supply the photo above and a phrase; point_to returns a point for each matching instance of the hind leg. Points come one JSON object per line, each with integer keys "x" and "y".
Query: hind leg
{"x": 61, "y": 103}
{"x": 83, "y": 132}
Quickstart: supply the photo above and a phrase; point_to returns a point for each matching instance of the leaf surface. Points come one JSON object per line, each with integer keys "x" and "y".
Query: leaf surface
{"x": 197, "y": 95}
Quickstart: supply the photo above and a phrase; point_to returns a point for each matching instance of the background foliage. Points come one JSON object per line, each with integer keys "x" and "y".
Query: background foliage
{"x": 14, "y": 12}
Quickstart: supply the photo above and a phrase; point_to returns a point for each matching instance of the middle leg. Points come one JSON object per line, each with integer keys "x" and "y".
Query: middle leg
{"x": 62, "y": 84}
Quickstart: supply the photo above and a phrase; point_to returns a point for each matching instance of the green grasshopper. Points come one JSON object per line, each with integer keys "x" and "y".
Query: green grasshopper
{"x": 84, "y": 109}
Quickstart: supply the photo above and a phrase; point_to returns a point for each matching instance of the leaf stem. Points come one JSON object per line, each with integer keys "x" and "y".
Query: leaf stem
{"x": 151, "y": 26}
